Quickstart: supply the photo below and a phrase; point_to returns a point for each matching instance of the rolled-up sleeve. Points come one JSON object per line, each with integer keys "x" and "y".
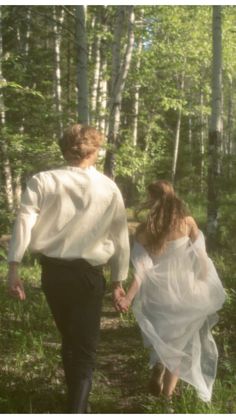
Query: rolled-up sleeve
{"x": 25, "y": 220}
{"x": 119, "y": 262}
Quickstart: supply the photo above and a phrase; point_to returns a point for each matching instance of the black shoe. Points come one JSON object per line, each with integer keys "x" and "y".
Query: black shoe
{"x": 78, "y": 397}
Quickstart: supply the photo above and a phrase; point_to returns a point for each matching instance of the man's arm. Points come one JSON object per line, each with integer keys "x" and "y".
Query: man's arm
{"x": 120, "y": 260}
{"x": 21, "y": 236}
{"x": 118, "y": 293}
{"x": 126, "y": 301}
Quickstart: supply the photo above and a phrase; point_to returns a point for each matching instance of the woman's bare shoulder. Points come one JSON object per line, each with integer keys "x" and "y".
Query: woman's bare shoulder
{"x": 190, "y": 221}
{"x": 192, "y": 227}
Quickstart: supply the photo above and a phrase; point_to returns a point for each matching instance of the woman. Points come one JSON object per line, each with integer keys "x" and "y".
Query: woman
{"x": 177, "y": 293}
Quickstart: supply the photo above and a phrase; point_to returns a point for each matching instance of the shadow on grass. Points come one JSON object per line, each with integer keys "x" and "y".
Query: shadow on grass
{"x": 30, "y": 395}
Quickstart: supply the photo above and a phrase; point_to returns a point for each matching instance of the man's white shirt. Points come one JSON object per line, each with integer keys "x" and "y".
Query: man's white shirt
{"x": 73, "y": 213}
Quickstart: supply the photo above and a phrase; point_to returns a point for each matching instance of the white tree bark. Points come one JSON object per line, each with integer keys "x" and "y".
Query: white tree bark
{"x": 28, "y": 31}
{"x": 96, "y": 77}
{"x": 119, "y": 75}
{"x": 3, "y": 144}
{"x": 216, "y": 121}
{"x": 58, "y": 21}
{"x": 18, "y": 190}
{"x": 215, "y": 128}
{"x": 92, "y": 27}
{"x": 176, "y": 145}
{"x": 102, "y": 98}
{"x": 177, "y": 133}
{"x": 202, "y": 142}
{"x": 2, "y": 111}
{"x": 137, "y": 93}
{"x": 82, "y": 79}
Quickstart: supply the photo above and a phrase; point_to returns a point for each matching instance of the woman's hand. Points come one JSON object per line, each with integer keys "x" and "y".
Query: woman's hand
{"x": 124, "y": 304}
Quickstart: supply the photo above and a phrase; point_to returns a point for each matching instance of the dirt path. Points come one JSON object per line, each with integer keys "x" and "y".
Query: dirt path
{"x": 119, "y": 384}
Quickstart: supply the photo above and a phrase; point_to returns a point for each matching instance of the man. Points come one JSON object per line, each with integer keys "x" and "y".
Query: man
{"x": 75, "y": 218}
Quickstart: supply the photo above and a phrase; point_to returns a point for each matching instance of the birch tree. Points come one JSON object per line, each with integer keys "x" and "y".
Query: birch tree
{"x": 119, "y": 74}
{"x": 82, "y": 69}
{"x": 103, "y": 90}
{"x": 103, "y": 75}
{"x": 57, "y": 29}
{"x": 96, "y": 74}
{"x": 215, "y": 127}
{"x": 3, "y": 143}
{"x": 202, "y": 141}
{"x": 177, "y": 132}
{"x": 137, "y": 94}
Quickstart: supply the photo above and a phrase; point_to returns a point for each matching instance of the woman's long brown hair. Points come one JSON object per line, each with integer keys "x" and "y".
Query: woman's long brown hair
{"x": 166, "y": 214}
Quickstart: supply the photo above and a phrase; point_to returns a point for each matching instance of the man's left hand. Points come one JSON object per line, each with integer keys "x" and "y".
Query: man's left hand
{"x": 117, "y": 294}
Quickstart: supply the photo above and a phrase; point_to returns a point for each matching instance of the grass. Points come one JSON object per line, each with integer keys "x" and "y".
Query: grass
{"x": 31, "y": 372}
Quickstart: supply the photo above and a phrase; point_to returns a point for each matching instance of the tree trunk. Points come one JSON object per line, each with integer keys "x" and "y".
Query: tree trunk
{"x": 103, "y": 83}
{"x": 136, "y": 94}
{"x": 82, "y": 79}
{"x": 102, "y": 99}
{"x": 190, "y": 139}
{"x": 18, "y": 171}
{"x": 68, "y": 75}
{"x": 2, "y": 111}
{"x": 97, "y": 70}
{"x": 57, "y": 58}
{"x": 229, "y": 142}
{"x": 3, "y": 144}
{"x": 18, "y": 190}
{"x": 177, "y": 134}
{"x": 92, "y": 29}
{"x": 176, "y": 145}
{"x": 215, "y": 129}
{"x": 119, "y": 75}
{"x": 202, "y": 144}
{"x": 28, "y": 31}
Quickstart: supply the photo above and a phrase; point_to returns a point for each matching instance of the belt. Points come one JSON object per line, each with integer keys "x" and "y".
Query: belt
{"x": 46, "y": 260}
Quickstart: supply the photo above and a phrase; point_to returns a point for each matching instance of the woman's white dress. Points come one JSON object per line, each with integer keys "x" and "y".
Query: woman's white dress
{"x": 175, "y": 307}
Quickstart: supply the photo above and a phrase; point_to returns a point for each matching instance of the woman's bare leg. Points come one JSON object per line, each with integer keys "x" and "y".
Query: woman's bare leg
{"x": 169, "y": 383}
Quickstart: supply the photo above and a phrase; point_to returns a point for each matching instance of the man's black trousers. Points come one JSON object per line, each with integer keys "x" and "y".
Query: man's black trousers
{"x": 74, "y": 291}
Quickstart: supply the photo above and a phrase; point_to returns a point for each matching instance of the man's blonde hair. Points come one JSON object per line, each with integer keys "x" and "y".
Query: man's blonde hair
{"x": 80, "y": 141}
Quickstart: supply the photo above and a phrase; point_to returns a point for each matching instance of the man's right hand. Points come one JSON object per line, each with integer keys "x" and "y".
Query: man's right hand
{"x": 15, "y": 285}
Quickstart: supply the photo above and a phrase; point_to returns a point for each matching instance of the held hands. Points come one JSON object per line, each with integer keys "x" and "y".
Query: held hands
{"x": 15, "y": 285}
{"x": 117, "y": 294}
{"x": 120, "y": 300}
{"x": 124, "y": 304}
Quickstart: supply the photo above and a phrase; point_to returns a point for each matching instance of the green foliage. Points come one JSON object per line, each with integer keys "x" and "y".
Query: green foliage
{"x": 20, "y": 89}
{"x": 227, "y": 221}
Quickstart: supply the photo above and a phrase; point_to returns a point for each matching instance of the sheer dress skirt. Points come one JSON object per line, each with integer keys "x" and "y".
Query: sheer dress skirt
{"x": 179, "y": 295}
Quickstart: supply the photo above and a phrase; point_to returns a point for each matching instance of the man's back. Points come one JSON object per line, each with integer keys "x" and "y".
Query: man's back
{"x": 74, "y": 213}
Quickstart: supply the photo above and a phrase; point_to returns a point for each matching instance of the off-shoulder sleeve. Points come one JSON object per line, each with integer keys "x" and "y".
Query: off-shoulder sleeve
{"x": 141, "y": 261}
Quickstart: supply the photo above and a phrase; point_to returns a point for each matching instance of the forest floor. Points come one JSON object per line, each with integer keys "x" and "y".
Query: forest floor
{"x": 32, "y": 378}
{"x": 31, "y": 372}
